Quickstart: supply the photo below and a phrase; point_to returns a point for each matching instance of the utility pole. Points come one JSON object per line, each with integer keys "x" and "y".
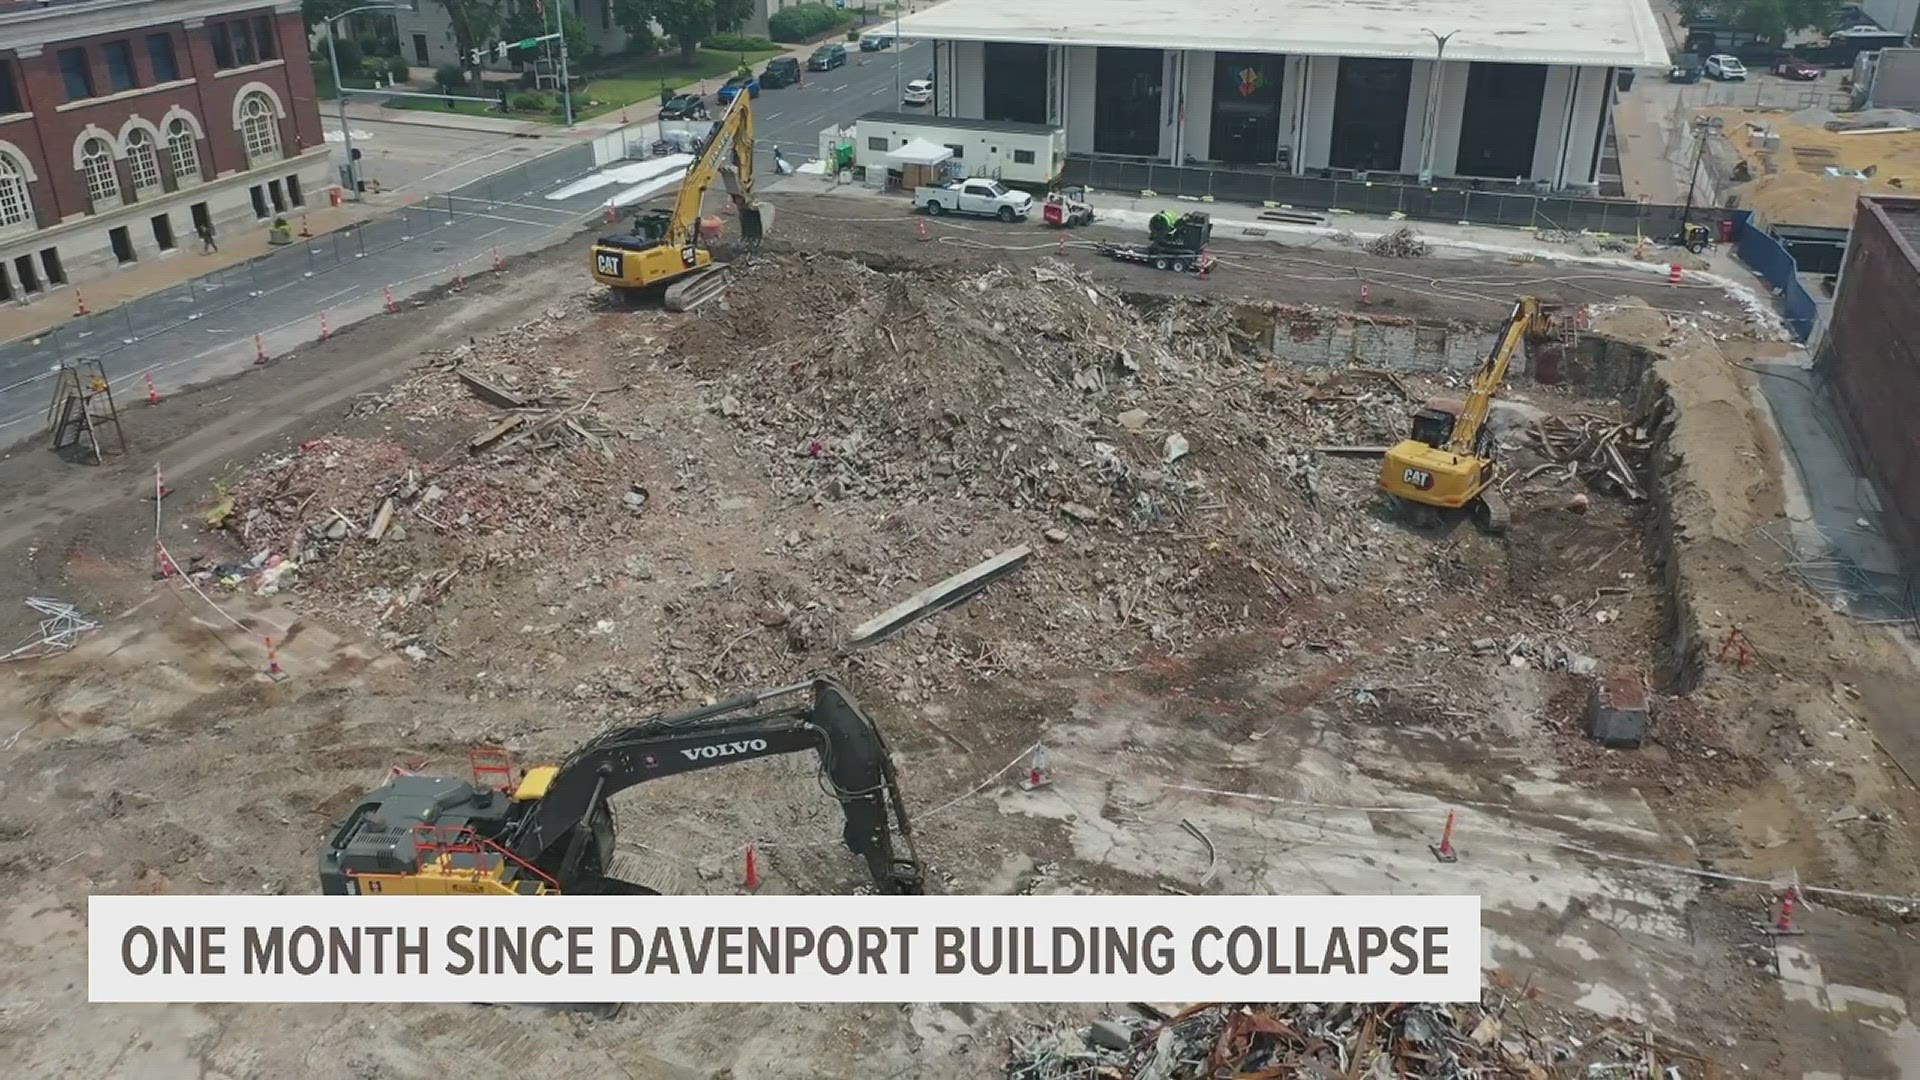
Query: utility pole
{"x": 340, "y": 92}
{"x": 1432, "y": 118}
{"x": 566, "y": 83}
{"x": 1703, "y": 128}
{"x": 896, "y": 53}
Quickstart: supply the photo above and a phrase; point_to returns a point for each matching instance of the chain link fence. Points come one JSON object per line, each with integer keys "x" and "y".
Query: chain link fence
{"x": 1569, "y": 213}
{"x": 412, "y": 238}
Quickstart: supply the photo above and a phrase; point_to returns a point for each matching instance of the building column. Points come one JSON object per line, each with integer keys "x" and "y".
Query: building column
{"x": 1081, "y": 63}
{"x": 1197, "y": 140}
{"x": 1320, "y": 88}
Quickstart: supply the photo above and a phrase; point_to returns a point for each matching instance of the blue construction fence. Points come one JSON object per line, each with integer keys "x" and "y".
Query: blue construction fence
{"x": 1767, "y": 256}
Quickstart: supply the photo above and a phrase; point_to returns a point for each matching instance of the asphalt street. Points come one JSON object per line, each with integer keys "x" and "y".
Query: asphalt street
{"x": 206, "y": 328}
{"x": 792, "y": 117}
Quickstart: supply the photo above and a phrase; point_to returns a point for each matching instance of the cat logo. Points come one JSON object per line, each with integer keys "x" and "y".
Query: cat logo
{"x": 1419, "y": 478}
{"x": 687, "y": 254}
{"x": 608, "y": 263}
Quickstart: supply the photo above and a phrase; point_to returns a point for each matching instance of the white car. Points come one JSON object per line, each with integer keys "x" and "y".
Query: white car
{"x": 1727, "y": 68}
{"x": 918, "y": 92}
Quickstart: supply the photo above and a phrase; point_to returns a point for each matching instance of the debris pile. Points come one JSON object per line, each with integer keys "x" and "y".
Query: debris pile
{"x": 1604, "y": 452}
{"x": 1401, "y": 243}
{"x": 1350, "y": 1040}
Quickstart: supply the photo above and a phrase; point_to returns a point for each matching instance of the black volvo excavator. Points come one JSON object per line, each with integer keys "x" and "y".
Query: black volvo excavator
{"x": 552, "y": 831}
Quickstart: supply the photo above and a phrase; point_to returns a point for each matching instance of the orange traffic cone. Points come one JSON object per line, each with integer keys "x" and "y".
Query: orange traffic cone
{"x": 391, "y": 305}
{"x": 1444, "y": 849}
{"x": 1366, "y": 292}
{"x": 753, "y": 868}
{"x": 80, "y": 309}
{"x": 259, "y": 350}
{"x": 499, "y": 264}
{"x": 1788, "y": 904}
{"x": 923, "y": 230}
{"x": 153, "y": 396}
{"x": 304, "y": 231}
{"x": 160, "y": 488}
{"x": 167, "y": 569}
{"x": 326, "y": 330}
{"x": 273, "y": 662}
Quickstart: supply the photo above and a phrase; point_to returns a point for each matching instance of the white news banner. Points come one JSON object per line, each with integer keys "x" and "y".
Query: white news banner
{"x": 981, "y": 949}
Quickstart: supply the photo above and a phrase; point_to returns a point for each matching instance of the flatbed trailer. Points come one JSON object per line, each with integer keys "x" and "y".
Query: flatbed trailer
{"x": 1180, "y": 262}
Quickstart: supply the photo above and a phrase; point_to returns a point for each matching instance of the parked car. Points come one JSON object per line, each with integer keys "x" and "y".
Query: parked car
{"x": 684, "y": 107}
{"x": 982, "y": 198}
{"x": 781, "y": 71}
{"x": 749, "y": 83}
{"x": 1726, "y": 68}
{"x": 1795, "y": 68}
{"x": 1687, "y": 69}
{"x": 918, "y": 92}
{"x": 876, "y": 43}
{"x": 827, "y": 57}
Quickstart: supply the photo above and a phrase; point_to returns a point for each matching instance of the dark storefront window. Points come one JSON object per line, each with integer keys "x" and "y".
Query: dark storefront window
{"x": 79, "y": 78}
{"x": 10, "y": 101}
{"x": 1501, "y": 121}
{"x": 1370, "y": 114}
{"x": 121, "y": 73}
{"x": 166, "y": 68}
{"x": 1016, "y": 82}
{"x": 1126, "y": 102}
{"x": 1246, "y": 107}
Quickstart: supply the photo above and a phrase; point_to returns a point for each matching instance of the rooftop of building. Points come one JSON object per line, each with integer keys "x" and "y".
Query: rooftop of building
{"x": 1902, "y": 212}
{"x": 1598, "y": 33}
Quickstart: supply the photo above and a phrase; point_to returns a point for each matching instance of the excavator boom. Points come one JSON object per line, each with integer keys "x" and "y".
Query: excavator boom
{"x": 553, "y": 831}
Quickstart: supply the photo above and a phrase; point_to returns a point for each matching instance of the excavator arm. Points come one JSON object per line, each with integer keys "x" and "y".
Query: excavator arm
{"x": 1524, "y": 323}
{"x": 856, "y": 769}
{"x": 729, "y": 156}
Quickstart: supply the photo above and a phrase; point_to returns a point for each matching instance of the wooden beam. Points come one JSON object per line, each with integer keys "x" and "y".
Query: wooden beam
{"x": 494, "y": 434}
{"x": 935, "y": 599}
{"x": 490, "y": 393}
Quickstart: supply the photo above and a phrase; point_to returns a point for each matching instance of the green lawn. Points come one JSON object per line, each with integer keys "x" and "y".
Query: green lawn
{"x": 618, "y": 85}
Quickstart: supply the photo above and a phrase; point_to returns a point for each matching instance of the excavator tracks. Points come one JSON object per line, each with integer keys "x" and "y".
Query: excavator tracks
{"x": 697, "y": 288}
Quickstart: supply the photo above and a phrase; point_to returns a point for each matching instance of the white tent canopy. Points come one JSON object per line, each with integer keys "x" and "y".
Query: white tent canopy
{"x": 920, "y": 152}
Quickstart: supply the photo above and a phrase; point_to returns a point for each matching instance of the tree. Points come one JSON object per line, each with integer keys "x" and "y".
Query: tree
{"x": 474, "y": 22}
{"x": 687, "y": 22}
{"x": 1774, "y": 20}
{"x": 636, "y": 18}
{"x": 525, "y": 22}
{"x": 315, "y": 12}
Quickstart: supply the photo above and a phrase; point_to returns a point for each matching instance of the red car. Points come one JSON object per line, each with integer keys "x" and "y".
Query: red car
{"x": 1795, "y": 68}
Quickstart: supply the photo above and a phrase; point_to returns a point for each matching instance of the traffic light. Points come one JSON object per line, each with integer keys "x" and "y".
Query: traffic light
{"x": 500, "y": 50}
{"x": 474, "y": 56}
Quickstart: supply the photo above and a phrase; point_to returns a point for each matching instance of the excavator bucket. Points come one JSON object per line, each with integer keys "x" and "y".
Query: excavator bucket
{"x": 756, "y": 219}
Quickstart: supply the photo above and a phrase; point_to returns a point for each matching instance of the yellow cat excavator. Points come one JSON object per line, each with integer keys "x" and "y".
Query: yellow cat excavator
{"x": 551, "y": 830}
{"x": 664, "y": 247}
{"x": 1447, "y": 463}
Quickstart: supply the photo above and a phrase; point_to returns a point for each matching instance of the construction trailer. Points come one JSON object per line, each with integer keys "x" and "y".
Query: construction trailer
{"x": 1029, "y": 156}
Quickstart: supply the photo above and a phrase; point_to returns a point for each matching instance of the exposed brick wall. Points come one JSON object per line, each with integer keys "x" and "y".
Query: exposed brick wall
{"x": 1872, "y": 353}
{"x": 60, "y": 191}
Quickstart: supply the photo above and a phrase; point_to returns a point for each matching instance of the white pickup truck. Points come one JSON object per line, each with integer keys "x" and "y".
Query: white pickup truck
{"x": 984, "y": 198}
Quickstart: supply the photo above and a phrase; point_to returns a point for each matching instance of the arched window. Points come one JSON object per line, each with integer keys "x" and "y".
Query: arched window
{"x": 15, "y": 204}
{"x": 183, "y": 151}
{"x": 259, "y": 128}
{"x": 143, "y": 162}
{"x": 96, "y": 160}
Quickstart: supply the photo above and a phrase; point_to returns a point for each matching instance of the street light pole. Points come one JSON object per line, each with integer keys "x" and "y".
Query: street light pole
{"x": 896, "y": 53}
{"x": 340, "y": 92}
{"x": 1431, "y": 120}
{"x": 566, "y": 83}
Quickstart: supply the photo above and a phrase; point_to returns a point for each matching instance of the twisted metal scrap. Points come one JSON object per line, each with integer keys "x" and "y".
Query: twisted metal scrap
{"x": 59, "y": 631}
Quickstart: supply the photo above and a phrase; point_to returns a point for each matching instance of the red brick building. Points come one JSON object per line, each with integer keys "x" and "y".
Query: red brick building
{"x": 127, "y": 125}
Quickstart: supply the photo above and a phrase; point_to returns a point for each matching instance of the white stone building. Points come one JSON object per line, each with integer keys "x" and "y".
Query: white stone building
{"x": 1523, "y": 95}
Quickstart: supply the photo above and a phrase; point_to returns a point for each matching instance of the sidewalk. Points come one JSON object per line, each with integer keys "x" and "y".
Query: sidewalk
{"x": 153, "y": 275}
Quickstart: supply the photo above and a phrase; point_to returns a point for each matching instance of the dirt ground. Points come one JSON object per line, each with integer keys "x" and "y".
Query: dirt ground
{"x": 1789, "y": 182}
{"x": 1219, "y": 624}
